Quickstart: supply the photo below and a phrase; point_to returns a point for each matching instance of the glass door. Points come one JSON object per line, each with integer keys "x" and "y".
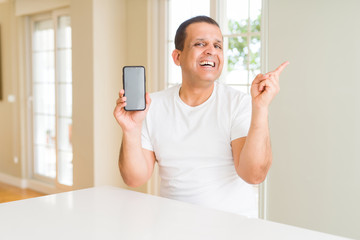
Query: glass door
{"x": 52, "y": 99}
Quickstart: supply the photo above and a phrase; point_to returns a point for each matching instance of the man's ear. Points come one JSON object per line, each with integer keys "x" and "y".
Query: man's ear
{"x": 176, "y": 56}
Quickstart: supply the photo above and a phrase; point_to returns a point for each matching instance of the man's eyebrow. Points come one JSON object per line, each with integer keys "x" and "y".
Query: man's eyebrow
{"x": 204, "y": 39}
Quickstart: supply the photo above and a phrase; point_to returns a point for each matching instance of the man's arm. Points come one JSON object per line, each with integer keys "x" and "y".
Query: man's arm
{"x": 252, "y": 154}
{"x": 136, "y": 164}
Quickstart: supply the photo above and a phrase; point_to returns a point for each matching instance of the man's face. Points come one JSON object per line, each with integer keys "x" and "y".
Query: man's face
{"x": 202, "y": 57}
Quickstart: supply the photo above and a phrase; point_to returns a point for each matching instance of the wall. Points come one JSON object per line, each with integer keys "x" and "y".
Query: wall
{"x": 8, "y": 111}
{"x": 83, "y": 92}
{"x": 24, "y": 7}
{"x": 136, "y": 37}
{"x": 110, "y": 46}
{"x": 314, "y": 181}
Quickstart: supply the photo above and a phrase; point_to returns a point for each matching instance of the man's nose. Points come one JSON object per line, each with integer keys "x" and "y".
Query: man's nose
{"x": 210, "y": 49}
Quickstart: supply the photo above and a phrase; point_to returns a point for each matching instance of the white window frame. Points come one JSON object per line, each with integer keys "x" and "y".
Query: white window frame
{"x": 53, "y": 15}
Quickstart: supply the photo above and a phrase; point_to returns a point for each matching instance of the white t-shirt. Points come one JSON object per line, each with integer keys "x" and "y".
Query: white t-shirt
{"x": 193, "y": 148}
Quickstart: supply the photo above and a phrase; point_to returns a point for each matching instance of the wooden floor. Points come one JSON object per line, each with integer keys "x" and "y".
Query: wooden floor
{"x": 10, "y": 193}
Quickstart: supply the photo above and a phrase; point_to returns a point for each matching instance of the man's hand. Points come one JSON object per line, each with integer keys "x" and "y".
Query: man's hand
{"x": 265, "y": 87}
{"x": 129, "y": 120}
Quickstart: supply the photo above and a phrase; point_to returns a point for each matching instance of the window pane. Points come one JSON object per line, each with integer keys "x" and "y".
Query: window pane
{"x": 45, "y": 161}
{"x": 64, "y": 64}
{"x": 255, "y": 15}
{"x": 44, "y": 98}
{"x": 43, "y": 66}
{"x": 255, "y": 51}
{"x": 179, "y": 11}
{"x": 65, "y": 130}
{"x": 65, "y": 100}
{"x": 64, "y": 32}
{"x": 237, "y": 58}
{"x": 237, "y": 53}
{"x": 64, "y": 49}
{"x": 237, "y": 14}
{"x": 44, "y": 130}
{"x": 65, "y": 156}
{"x": 65, "y": 168}
{"x": 64, "y": 79}
{"x": 43, "y": 36}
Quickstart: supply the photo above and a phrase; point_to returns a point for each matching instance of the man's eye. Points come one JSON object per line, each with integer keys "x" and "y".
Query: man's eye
{"x": 199, "y": 44}
{"x": 218, "y": 46}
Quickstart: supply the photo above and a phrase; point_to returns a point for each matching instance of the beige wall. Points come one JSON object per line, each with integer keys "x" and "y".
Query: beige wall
{"x": 314, "y": 181}
{"x": 83, "y": 92}
{"x": 119, "y": 35}
{"x": 136, "y": 19}
{"x": 110, "y": 44}
{"x": 107, "y": 34}
{"x": 24, "y": 7}
{"x": 136, "y": 38}
{"x": 8, "y": 110}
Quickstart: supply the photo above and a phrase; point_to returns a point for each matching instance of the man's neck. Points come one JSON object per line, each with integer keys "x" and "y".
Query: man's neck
{"x": 195, "y": 95}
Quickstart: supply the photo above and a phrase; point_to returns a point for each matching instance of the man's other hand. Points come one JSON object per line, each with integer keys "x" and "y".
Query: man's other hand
{"x": 266, "y": 86}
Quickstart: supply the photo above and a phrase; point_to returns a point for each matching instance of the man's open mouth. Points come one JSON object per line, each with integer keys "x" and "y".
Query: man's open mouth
{"x": 207, "y": 63}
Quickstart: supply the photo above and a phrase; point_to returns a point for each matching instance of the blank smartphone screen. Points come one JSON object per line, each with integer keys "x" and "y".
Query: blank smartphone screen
{"x": 134, "y": 86}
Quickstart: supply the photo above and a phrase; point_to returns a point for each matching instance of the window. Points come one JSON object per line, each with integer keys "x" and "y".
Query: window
{"x": 242, "y": 43}
{"x": 51, "y": 88}
{"x": 240, "y": 22}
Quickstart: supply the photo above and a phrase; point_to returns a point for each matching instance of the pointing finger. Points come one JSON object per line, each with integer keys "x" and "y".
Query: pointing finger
{"x": 281, "y": 67}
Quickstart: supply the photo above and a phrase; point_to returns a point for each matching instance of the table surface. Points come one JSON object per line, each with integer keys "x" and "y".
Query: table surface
{"x": 115, "y": 213}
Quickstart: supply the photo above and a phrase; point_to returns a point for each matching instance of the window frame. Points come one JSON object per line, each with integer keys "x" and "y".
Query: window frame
{"x": 51, "y": 15}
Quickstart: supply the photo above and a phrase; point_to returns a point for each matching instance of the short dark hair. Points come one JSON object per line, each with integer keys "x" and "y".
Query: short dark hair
{"x": 181, "y": 31}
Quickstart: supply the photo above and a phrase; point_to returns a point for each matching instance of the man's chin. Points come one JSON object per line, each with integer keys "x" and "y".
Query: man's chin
{"x": 210, "y": 78}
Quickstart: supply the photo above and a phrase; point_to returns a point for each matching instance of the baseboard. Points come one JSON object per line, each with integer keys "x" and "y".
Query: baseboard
{"x": 14, "y": 181}
{"x": 42, "y": 187}
{"x": 28, "y": 183}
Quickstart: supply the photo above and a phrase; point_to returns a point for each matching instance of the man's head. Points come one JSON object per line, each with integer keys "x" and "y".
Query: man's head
{"x": 181, "y": 31}
{"x": 199, "y": 50}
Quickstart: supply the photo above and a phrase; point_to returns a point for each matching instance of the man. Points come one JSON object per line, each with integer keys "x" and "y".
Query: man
{"x": 210, "y": 141}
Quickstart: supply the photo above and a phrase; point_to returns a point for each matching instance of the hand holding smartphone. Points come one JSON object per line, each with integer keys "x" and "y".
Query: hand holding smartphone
{"x": 134, "y": 87}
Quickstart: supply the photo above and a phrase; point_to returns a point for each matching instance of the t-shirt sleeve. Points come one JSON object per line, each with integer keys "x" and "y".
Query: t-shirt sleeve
{"x": 241, "y": 120}
{"x": 145, "y": 137}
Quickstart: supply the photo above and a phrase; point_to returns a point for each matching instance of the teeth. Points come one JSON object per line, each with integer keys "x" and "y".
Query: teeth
{"x": 203, "y": 63}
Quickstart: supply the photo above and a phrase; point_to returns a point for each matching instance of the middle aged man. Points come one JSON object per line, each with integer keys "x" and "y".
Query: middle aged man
{"x": 211, "y": 142}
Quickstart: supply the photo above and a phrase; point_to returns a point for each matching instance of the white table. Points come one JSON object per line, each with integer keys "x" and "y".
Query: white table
{"x": 115, "y": 213}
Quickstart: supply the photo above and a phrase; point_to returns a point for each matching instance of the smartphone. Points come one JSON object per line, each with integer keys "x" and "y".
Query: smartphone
{"x": 134, "y": 87}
